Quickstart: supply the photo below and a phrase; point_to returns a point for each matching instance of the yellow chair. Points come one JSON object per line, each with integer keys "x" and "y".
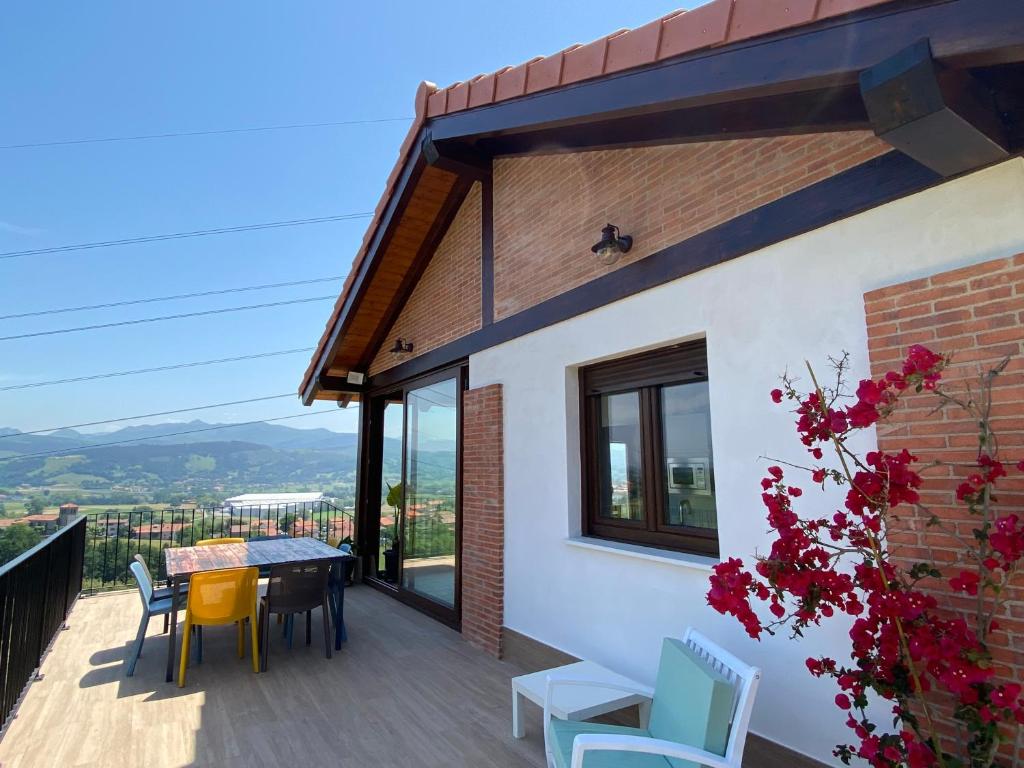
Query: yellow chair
{"x": 215, "y": 542}
{"x": 221, "y": 597}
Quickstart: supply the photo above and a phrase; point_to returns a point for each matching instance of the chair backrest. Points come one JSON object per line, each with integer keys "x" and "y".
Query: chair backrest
{"x": 692, "y": 701}
{"x": 744, "y": 679}
{"x": 215, "y": 542}
{"x": 298, "y": 587}
{"x": 222, "y": 597}
{"x": 141, "y": 574}
{"x": 138, "y": 558}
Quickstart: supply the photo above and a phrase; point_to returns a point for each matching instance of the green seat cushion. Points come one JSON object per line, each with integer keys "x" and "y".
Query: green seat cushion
{"x": 562, "y": 733}
{"x": 692, "y": 702}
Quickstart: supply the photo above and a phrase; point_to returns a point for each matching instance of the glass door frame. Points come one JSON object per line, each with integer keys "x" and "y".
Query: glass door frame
{"x": 369, "y": 487}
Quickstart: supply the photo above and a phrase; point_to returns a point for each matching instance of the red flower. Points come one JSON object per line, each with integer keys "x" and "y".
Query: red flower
{"x": 842, "y": 701}
{"x": 967, "y": 582}
{"x": 776, "y": 395}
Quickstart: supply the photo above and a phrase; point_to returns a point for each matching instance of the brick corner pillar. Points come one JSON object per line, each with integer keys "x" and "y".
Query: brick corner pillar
{"x": 976, "y": 313}
{"x": 483, "y": 518}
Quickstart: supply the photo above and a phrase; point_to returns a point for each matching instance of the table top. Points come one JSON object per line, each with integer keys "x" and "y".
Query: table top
{"x": 184, "y": 561}
{"x": 572, "y": 701}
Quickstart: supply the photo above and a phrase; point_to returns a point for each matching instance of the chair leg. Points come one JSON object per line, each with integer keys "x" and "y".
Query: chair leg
{"x": 255, "y": 642}
{"x": 265, "y": 645}
{"x": 309, "y": 627}
{"x": 140, "y": 636}
{"x": 186, "y": 636}
{"x": 343, "y": 632}
{"x": 327, "y": 628}
{"x": 199, "y": 644}
{"x": 167, "y": 621}
{"x": 289, "y": 628}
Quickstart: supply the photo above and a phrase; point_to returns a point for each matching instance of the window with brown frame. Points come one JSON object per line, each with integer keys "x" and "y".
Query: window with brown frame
{"x": 648, "y": 469}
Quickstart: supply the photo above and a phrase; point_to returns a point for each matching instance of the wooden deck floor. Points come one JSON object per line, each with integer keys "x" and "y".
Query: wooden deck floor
{"x": 404, "y": 692}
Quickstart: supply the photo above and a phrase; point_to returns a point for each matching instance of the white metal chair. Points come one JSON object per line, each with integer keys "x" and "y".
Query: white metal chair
{"x": 700, "y": 714}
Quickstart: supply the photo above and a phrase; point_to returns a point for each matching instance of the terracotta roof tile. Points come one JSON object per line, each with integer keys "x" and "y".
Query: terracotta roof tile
{"x": 752, "y": 18}
{"x": 636, "y": 47}
{"x": 481, "y": 89}
{"x": 458, "y": 97}
{"x": 437, "y": 103}
{"x": 546, "y": 72}
{"x": 512, "y": 81}
{"x": 715, "y": 23}
{"x": 828, "y": 8}
{"x": 586, "y": 61}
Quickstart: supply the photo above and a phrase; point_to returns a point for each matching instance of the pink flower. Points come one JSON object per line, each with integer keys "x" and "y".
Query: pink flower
{"x": 776, "y": 395}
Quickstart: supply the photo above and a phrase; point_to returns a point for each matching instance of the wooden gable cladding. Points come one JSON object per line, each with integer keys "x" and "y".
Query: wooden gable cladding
{"x": 400, "y": 262}
{"x": 445, "y": 303}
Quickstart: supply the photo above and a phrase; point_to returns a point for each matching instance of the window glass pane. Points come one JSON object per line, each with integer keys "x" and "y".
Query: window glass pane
{"x": 619, "y": 447}
{"x": 431, "y": 481}
{"x": 689, "y": 470}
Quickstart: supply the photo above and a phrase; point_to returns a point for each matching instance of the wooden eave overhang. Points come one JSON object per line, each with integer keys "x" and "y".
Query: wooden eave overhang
{"x": 799, "y": 80}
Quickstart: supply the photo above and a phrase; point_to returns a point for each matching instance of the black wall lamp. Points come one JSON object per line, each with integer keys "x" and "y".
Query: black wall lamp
{"x": 401, "y": 345}
{"x": 612, "y": 245}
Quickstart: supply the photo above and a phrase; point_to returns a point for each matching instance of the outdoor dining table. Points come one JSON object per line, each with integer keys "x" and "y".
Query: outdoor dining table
{"x": 182, "y": 562}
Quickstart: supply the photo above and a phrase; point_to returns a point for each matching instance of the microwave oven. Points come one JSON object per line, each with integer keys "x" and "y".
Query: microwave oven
{"x": 689, "y": 475}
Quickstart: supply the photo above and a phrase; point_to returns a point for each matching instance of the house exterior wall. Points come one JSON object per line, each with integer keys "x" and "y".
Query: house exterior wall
{"x": 549, "y": 209}
{"x": 761, "y": 314}
{"x": 445, "y": 304}
{"x": 977, "y": 313}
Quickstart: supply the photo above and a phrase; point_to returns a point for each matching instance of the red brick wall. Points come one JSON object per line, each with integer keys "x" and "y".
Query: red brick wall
{"x": 549, "y": 209}
{"x": 483, "y": 518}
{"x": 977, "y": 314}
{"x": 445, "y": 304}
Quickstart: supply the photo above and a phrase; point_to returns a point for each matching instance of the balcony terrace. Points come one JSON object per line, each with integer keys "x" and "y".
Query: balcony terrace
{"x": 404, "y": 692}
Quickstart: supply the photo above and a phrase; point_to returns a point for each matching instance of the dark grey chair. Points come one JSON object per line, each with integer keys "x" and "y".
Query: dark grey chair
{"x": 295, "y": 589}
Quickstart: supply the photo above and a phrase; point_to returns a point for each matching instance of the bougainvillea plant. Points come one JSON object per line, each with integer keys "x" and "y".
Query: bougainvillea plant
{"x": 912, "y": 641}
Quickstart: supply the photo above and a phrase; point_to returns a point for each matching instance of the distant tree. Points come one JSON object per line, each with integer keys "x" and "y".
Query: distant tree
{"x": 3, "y": 509}
{"x": 17, "y": 539}
{"x": 35, "y": 505}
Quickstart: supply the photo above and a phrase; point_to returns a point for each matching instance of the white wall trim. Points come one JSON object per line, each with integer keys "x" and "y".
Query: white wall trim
{"x": 654, "y": 555}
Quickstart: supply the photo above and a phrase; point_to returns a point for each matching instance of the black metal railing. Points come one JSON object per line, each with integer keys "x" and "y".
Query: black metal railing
{"x": 37, "y": 590}
{"x": 115, "y": 537}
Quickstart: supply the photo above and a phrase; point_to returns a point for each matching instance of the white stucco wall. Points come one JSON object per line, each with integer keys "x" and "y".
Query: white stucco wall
{"x": 801, "y": 299}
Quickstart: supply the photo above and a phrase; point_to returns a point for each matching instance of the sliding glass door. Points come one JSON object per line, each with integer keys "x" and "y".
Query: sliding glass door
{"x": 411, "y": 515}
{"x": 431, "y": 491}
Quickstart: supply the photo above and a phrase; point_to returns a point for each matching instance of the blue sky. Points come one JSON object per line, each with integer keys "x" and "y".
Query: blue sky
{"x": 97, "y": 69}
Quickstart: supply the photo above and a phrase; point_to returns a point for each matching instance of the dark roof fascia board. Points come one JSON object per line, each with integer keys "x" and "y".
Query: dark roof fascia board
{"x": 827, "y": 55}
{"x": 876, "y": 182}
{"x": 396, "y": 203}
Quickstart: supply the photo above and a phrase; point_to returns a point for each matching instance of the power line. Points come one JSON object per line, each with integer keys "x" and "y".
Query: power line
{"x": 130, "y": 302}
{"x": 182, "y": 235}
{"x": 149, "y": 415}
{"x": 139, "y": 321}
{"x": 160, "y": 437}
{"x": 158, "y": 369}
{"x": 174, "y": 135}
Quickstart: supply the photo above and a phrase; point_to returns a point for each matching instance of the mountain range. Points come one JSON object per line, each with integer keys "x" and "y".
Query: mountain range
{"x": 208, "y": 458}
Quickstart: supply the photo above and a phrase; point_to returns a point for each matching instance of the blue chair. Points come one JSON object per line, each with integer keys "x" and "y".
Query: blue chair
{"x": 336, "y": 595}
{"x": 699, "y": 717}
{"x": 154, "y": 603}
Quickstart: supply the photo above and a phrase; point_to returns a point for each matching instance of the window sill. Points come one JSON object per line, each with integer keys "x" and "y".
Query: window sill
{"x": 679, "y": 559}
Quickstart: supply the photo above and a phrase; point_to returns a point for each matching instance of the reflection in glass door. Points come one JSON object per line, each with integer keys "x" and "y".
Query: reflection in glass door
{"x": 389, "y": 514}
{"x": 429, "y": 533}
